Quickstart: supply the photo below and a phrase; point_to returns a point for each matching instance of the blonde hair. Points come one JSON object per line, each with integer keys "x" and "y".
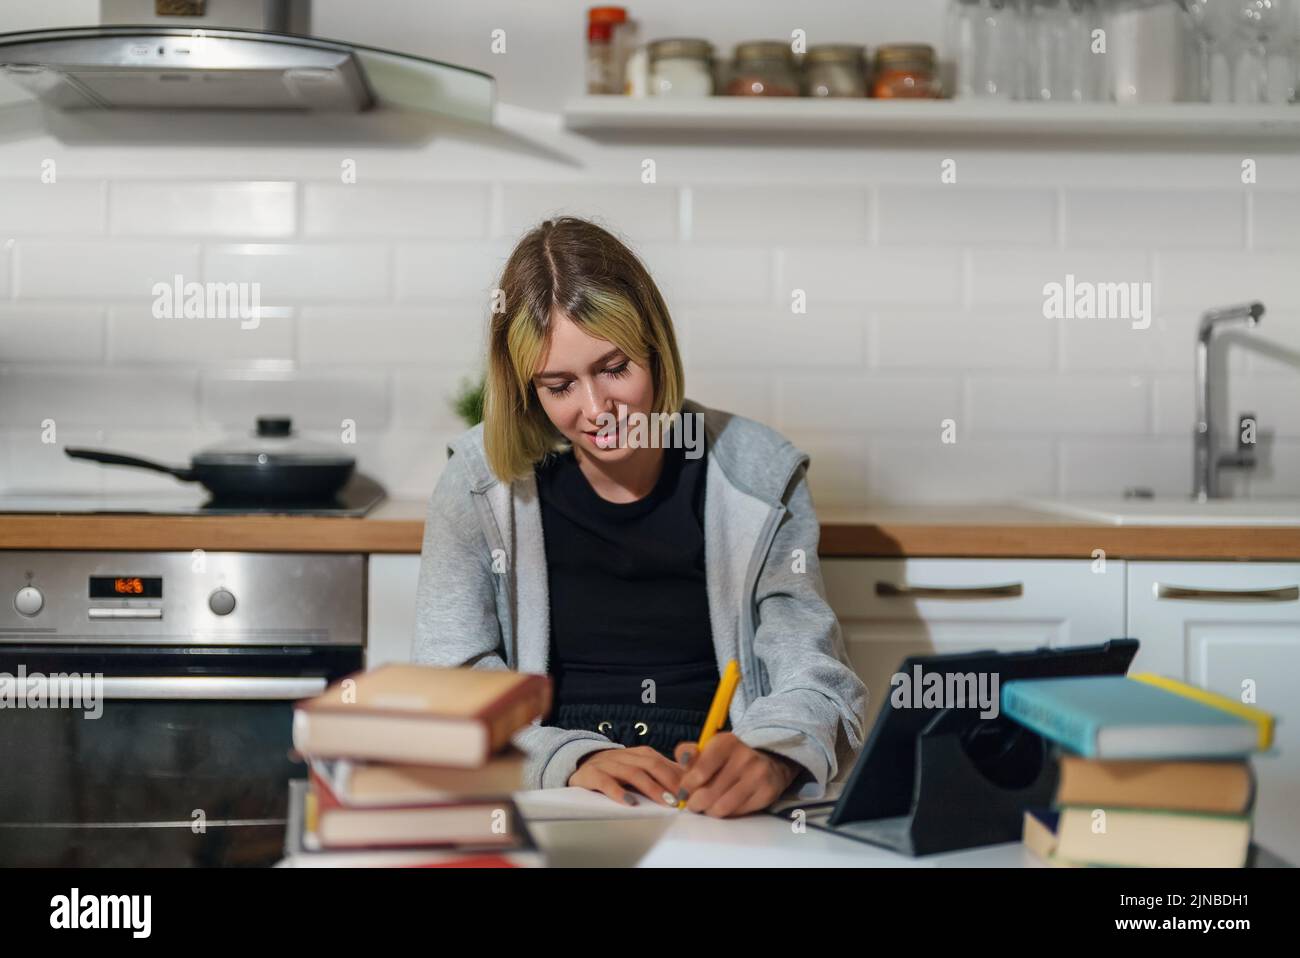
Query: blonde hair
{"x": 587, "y": 274}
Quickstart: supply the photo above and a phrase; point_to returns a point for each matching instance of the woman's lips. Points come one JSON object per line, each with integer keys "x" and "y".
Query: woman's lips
{"x": 602, "y": 441}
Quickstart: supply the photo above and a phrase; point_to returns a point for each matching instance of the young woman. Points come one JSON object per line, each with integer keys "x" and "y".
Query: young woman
{"x": 631, "y": 563}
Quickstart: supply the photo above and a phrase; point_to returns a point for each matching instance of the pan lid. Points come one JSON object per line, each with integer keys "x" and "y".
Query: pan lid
{"x": 273, "y": 443}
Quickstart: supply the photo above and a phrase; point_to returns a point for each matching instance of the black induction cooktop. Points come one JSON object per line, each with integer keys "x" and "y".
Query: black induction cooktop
{"x": 355, "y": 499}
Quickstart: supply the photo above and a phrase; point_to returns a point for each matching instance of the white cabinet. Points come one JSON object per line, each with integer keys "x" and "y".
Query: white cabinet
{"x": 1228, "y": 627}
{"x": 390, "y": 614}
{"x": 892, "y": 608}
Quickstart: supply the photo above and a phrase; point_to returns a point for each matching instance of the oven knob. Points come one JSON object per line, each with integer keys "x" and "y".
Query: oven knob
{"x": 222, "y": 602}
{"x": 28, "y": 600}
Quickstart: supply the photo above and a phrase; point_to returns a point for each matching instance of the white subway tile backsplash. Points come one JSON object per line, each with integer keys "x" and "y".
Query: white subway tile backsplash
{"x": 848, "y": 274}
{"x": 636, "y": 213}
{"x": 952, "y": 214}
{"x": 99, "y": 270}
{"x": 838, "y": 468}
{"x": 924, "y": 303}
{"x": 292, "y": 273}
{"x": 1205, "y": 280}
{"x": 441, "y": 272}
{"x": 750, "y": 396}
{"x": 869, "y": 404}
{"x": 1115, "y": 345}
{"x": 97, "y": 397}
{"x": 1018, "y": 277}
{"x": 1107, "y": 467}
{"x": 778, "y": 215}
{"x": 30, "y": 207}
{"x": 767, "y": 337}
{"x": 969, "y": 470}
{"x": 253, "y": 210}
{"x": 1276, "y": 219}
{"x": 439, "y": 210}
{"x": 1059, "y": 406}
{"x": 1155, "y": 218}
{"x": 317, "y": 402}
{"x": 40, "y": 333}
{"x": 709, "y": 274}
{"x": 408, "y": 460}
{"x": 366, "y": 334}
{"x": 1010, "y": 339}
{"x": 423, "y": 397}
{"x": 135, "y": 335}
{"x": 1173, "y": 402}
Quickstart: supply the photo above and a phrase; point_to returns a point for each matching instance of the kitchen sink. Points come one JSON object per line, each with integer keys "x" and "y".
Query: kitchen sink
{"x": 1174, "y": 511}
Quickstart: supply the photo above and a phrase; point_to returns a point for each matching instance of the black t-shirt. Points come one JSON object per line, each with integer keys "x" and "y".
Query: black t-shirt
{"x": 628, "y": 594}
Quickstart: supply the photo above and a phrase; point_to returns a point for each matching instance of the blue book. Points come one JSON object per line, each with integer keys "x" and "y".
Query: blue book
{"x": 1103, "y": 716}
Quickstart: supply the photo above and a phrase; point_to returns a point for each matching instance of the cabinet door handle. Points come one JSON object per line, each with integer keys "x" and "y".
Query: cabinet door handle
{"x": 890, "y": 590}
{"x": 1286, "y": 593}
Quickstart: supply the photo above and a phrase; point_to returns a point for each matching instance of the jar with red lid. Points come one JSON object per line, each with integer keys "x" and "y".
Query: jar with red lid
{"x": 604, "y": 71}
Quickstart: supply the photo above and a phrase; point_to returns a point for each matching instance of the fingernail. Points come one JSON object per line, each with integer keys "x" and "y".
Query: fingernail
{"x": 628, "y": 799}
{"x": 686, "y": 757}
{"x": 681, "y": 795}
{"x": 668, "y": 798}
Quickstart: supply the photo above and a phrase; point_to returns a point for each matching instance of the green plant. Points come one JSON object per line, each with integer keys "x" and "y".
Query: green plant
{"x": 468, "y": 400}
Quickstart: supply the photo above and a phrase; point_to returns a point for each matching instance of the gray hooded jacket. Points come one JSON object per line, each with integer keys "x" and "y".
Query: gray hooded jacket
{"x": 798, "y": 697}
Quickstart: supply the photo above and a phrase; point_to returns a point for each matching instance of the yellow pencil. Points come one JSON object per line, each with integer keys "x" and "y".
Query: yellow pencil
{"x": 718, "y": 710}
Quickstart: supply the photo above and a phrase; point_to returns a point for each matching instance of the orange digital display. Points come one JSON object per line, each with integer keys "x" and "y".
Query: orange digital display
{"x": 126, "y": 587}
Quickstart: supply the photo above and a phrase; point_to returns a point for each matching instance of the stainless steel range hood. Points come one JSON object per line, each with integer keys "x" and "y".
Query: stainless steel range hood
{"x": 206, "y": 58}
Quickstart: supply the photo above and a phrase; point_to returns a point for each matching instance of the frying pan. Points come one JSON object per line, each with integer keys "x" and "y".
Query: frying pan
{"x": 274, "y": 466}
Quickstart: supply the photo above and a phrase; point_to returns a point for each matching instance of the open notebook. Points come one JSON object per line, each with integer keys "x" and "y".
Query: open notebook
{"x": 558, "y": 804}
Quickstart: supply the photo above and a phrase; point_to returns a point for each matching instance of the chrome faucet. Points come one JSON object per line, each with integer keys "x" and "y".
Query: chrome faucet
{"x": 1206, "y": 459}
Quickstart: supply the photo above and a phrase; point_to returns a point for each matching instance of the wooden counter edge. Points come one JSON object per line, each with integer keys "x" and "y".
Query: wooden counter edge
{"x": 840, "y": 540}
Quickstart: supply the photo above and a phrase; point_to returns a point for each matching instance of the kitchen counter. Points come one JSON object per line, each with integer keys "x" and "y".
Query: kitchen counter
{"x": 397, "y": 526}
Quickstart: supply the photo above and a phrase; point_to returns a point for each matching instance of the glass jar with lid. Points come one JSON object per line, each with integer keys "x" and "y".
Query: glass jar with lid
{"x": 905, "y": 70}
{"x": 681, "y": 66}
{"x": 763, "y": 68}
{"x": 835, "y": 70}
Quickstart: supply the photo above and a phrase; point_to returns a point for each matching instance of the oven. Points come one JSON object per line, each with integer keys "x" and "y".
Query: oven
{"x": 146, "y": 699}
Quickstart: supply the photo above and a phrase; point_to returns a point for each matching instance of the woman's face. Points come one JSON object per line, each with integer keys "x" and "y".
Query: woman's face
{"x": 583, "y": 377}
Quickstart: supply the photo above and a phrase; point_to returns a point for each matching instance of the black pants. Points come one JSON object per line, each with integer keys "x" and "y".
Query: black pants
{"x": 632, "y": 725}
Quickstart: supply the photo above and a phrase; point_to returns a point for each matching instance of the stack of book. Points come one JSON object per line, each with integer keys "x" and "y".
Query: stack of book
{"x": 1154, "y": 772}
{"x": 411, "y": 765}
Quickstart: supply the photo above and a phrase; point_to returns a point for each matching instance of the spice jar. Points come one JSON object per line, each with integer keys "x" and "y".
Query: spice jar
{"x": 604, "y": 71}
{"x": 905, "y": 70}
{"x": 835, "y": 70}
{"x": 681, "y": 66}
{"x": 763, "y": 68}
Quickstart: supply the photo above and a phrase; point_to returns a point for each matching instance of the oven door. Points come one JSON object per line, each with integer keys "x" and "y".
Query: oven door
{"x": 183, "y": 757}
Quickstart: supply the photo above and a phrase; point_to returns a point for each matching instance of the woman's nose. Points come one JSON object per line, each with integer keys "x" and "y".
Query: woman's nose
{"x": 595, "y": 401}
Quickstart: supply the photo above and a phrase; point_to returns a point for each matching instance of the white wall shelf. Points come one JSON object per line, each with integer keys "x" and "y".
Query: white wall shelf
{"x": 1240, "y": 126}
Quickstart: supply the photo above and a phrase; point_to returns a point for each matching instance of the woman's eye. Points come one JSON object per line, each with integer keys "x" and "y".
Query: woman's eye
{"x": 616, "y": 372}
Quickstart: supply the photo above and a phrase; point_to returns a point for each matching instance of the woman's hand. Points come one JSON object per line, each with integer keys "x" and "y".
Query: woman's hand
{"x": 729, "y": 778}
{"x": 612, "y": 770}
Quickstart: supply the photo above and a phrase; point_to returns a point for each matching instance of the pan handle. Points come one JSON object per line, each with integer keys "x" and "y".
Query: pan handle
{"x": 117, "y": 459}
